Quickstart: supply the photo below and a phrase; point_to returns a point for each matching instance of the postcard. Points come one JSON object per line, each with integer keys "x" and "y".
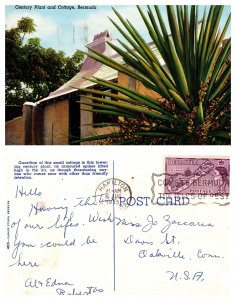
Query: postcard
{"x": 117, "y": 159}
{"x": 117, "y": 227}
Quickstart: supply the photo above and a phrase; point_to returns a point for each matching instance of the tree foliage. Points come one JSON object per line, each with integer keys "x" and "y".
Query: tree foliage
{"x": 26, "y": 25}
{"x": 194, "y": 83}
{"x": 33, "y": 71}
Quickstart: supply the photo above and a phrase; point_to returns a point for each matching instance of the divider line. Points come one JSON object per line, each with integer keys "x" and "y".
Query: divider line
{"x": 114, "y": 229}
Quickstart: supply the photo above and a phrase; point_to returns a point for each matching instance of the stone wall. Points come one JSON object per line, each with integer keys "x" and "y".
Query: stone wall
{"x": 14, "y": 133}
{"x": 40, "y": 124}
{"x": 86, "y": 118}
{"x": 56, "y": 123}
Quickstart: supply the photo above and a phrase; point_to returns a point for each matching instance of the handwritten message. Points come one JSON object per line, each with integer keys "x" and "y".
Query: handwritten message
{"x": 81, "y": 244}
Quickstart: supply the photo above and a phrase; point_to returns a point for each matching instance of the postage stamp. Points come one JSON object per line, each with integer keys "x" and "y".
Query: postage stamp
{"x": 111, "y": 190}
{"x": 205, "y": 176}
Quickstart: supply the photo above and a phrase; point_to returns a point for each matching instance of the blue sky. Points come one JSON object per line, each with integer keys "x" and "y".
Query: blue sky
{"x": 63, "y": 29}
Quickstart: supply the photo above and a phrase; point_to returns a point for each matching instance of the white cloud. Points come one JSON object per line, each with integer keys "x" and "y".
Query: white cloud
{"x": 45, "y": 27}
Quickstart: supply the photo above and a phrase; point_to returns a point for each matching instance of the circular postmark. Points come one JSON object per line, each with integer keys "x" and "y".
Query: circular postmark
{"x": 113, "y": 190}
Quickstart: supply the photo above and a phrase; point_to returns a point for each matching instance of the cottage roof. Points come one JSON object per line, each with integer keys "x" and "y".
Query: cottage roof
{"x": 89, "y": 68}
{"x": 93, "y": 68}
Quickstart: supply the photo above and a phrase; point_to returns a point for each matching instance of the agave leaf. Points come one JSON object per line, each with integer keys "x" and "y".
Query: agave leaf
{"x": 133, "y": 109}
{"x": 99, "y": 137}
{"x": 186, "y": 29}
{"x": 164, "y": 76}
{"x": 225, "y": 89}
{"x": 222, "y": 103}
{"x": 135, "y": 35}
{"x": 162, "y": 23}
{"x": 214, "y": 29}
{"x": 110, "y": 112}
{"x": 163, "y": 44}
{"x": 134, "y": 95}
{"x": 157, "y": 80}
{"x": 109, "y": 108}
{"x": 224, "y": 119}
{"x": 215, "y": 54}
{"x": 102, "y": 124}
{"x": 186, "y": 42}
{"x": 130, "y": 51}
{"x": 136, "y": 100}
{"x": 221, "y": 82}
{"x": 194, "y": 84}
{"x": 153, "y": 31}
{"x": 179, "y": 70}
{"x": 201, "y": 35}
{"x": 128, "y": 141}
{"x": 130, "y": 41}
{"x": 190, "y": 53}
{"x": 113, "y": 64}
{"x": 143, "y": 44}
{"x": 127, "y": 37}
{"x": 199, "y": 51}
{"x": 217, "y": 39}
{"x": 130, "y": 57}
{"x": 146, "y": 70}
{"x": 166, "y": 130}
{"x": 219, "y": 63}
{"x": 130, "y": 93}
{"x": 199, "y": 115}
{"x": 179, "y": 101}
{"x": 221, "y": 134}
{"x": 157, "y": 134}
{"x": 192, "y": 36}
{"x": 164, "y": 51}
{"x": 205, "y": 40}
{"x": 158, "y": 39}
{"x": 166, "y": 54}
{"x": 180, "y": 20}
{"x": 175, "y": 32}
{"x": 196, "y": 33}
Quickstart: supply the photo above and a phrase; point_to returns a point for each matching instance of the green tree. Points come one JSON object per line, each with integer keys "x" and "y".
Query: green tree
{"x": 194, "y": 83}
{"x": 26, "y": 25}
{"x": 33, "y": 71}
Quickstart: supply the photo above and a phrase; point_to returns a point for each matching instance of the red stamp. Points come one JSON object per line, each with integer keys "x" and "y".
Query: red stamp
{"x": 205, "y": 176}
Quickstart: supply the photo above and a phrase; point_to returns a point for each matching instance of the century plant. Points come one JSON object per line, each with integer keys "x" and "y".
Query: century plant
{"x": 193, "y": 86}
